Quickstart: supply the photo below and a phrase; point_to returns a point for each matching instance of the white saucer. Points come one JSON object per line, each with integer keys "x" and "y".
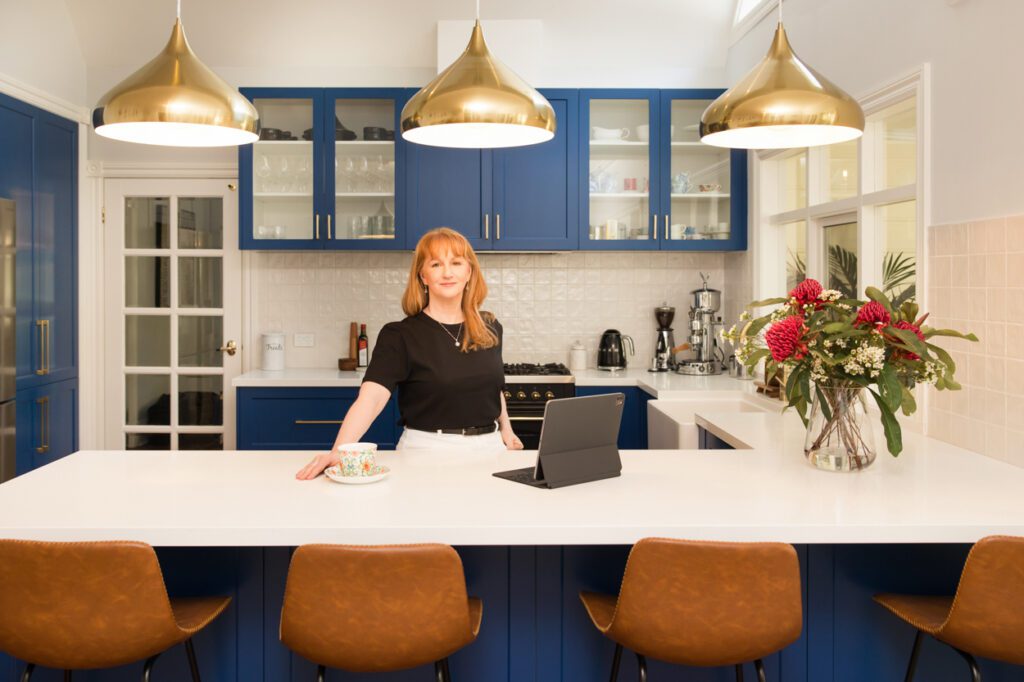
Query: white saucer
{"x": 333, "y": 473}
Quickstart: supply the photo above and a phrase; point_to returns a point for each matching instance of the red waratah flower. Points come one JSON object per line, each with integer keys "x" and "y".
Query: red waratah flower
{"x": 785, "y": 339}
{"x": 903, "y": 324}
{"x": 806, "y": 292}
{"x": 873, "y": 314}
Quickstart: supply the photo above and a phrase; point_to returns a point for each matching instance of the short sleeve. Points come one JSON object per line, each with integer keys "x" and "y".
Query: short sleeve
{"x": 389, "y": 364}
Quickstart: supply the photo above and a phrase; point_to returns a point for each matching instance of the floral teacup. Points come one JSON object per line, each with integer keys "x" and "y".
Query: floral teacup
{"x": 358, "y": 459}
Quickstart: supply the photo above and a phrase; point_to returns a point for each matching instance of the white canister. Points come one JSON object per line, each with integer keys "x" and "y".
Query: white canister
{"x": 273, "y": 351}
{"x": 577, "y": 357}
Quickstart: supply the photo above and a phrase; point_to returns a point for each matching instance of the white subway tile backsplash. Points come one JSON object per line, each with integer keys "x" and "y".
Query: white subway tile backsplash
{"x": 544, "y": 301}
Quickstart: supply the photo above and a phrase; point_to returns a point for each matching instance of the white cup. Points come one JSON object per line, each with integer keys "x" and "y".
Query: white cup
{"x": 598, "y": 133}
{"x": 643, "y": 133}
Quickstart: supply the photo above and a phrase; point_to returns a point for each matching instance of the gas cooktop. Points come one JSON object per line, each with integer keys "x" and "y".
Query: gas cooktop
{"x": 551, "y": 373}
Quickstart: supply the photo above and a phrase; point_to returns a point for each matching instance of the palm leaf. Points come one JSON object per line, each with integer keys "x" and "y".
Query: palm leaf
{"x": 842, "y": 270}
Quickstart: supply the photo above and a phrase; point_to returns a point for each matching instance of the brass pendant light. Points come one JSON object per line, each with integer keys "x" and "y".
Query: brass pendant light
{"x": 176, "y": 100}
{"x": 478, "y": 102}
{"x": 781, "y": 103}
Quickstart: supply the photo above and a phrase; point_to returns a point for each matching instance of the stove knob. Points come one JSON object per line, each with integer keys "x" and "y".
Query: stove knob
{"x": 549, "y": 395}
{"x": 521, "y": 395}
{"x": 535, "y": 395}
{"x": 507, "y": 394}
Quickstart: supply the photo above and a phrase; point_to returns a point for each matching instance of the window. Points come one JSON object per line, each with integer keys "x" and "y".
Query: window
{"x": 745, "y": 7}
{"x": 847, "y": 214}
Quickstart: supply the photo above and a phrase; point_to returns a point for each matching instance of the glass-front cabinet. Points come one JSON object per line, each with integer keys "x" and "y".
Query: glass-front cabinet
{"x": 618, "y": 139}
{"x": 651, "y": 183}
{"x": 324, "y": 173}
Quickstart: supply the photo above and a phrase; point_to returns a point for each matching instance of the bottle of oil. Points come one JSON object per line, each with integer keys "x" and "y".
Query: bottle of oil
{"x": 363, "y": 347}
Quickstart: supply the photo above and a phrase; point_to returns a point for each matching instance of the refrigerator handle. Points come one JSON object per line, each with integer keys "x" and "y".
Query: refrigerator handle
{"x": 44, "y": 424}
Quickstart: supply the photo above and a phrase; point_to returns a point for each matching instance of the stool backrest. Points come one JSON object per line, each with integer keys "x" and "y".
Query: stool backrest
{"x": 372, "y": 609}
{"x": 987, "y": 617}
{"x": 708, "y": 603}
{"x": 79, "y": 605}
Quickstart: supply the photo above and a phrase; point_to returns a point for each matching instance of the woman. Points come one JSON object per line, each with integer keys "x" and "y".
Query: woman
{"x": 444, "y": 359}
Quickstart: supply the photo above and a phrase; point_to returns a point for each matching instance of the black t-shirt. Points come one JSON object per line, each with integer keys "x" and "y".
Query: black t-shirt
{"x": 439, "y": 386}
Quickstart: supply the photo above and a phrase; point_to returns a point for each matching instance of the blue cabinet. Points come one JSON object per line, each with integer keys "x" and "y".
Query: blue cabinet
{"x": 633, "y": 429}
{"x": 648, "y": 182}
{"x": 328, "y": 171}
{"x": 47, "y": 424}
{"x": 39, "y": 172}
{"x": 304, "y": 419}
{"x": 523, "y": 198}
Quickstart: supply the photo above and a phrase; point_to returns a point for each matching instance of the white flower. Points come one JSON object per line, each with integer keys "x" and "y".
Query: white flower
{"x": 865, "y": 359}
{"x": 830, "y": 295}
{"x": 744, "y": 316}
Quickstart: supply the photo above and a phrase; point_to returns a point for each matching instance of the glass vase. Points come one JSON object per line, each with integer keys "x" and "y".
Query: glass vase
{"x": 839, "y": 435}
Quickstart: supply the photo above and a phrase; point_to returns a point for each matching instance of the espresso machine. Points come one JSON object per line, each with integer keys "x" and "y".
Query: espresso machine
{"x": 664, "y": 358}
{"x": 705, "y": 322}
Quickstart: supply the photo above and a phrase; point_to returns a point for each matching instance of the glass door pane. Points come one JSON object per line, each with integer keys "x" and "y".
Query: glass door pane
{"x": 283, "y": 170}
{"x": 899, "y": 264}
{"x": 173, "y": 322}
{"x": 699, "y": 177}
{"x": 364, "y": 169}
{"x": 892, "y": 138}
{"x": 619, "y": 172}
{"x": 796, "y": 253}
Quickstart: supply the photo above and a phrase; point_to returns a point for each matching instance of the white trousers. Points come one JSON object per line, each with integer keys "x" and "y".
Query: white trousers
{"x": 430, "y": 440}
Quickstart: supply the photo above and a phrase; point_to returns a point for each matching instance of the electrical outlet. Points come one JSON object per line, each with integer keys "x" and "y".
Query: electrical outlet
{"x": 303, "y": 340}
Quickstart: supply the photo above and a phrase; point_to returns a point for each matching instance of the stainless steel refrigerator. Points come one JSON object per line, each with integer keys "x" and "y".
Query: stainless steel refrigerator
{"x": 8, "y": 256}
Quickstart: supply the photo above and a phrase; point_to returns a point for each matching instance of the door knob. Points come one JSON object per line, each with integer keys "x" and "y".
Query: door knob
{"x": 230, "y": 348}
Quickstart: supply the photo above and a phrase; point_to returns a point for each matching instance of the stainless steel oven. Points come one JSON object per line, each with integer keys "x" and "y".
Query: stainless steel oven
{"x": 527, "y": 388}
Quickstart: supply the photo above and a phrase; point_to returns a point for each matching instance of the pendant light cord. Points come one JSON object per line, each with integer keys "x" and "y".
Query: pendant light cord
{"x": 477, "y": 9}
{"x": 179, "y": 10}
{"x": 780, "y": 11}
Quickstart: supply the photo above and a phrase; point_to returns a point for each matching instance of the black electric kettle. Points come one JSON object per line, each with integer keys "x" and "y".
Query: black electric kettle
{"x": 611, "y": 354}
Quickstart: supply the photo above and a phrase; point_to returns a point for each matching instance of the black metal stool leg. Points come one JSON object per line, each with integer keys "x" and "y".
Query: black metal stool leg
{"x": 67, "y": 676}
{"x": 975, "y": 672}
{"x": 912, "y": 665}
{"x": 447, "y": 672}
{"x": 147, "y": 669}
{"x": 438, "y": 671}
{"x": 642, "y": 662}
{"x": 193, "y": 665}
{"x": 28, "y": 672}
{"x": 321, "y": 673}
{"x": 739, "y": 672}
{"x": 615, "y": 662}
{"x": 759, "y": 666}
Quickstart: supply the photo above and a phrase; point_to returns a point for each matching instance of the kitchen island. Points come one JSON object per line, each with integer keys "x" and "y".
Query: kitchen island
{"x": 224, "y": 522}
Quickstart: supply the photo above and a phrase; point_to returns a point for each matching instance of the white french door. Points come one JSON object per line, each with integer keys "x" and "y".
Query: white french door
{"x": 172, "y": 283}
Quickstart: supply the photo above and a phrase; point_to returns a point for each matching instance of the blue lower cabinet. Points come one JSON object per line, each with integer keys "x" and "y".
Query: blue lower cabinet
{"x": 47, "y": 424}
{"x": 304, "y": 419}
{"x": 633, "y": 429}
{"x": 709, "y": 441}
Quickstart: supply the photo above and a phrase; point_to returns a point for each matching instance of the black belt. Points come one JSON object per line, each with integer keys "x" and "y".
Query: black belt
{"x": 469, "y": 430}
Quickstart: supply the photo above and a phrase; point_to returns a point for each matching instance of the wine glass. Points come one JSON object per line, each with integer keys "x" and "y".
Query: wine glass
{"x": 350, "y": 171}
{"x": 262, "y": 171}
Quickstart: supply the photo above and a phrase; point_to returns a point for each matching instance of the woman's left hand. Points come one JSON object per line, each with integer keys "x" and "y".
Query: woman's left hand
{"x": 511, "y": 440}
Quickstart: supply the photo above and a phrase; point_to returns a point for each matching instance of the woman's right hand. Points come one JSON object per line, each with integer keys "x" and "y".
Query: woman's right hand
{"x": 316, "y": 466}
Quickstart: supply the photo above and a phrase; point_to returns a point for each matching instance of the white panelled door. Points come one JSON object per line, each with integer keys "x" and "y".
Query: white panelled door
{"x": 172, "y": 274}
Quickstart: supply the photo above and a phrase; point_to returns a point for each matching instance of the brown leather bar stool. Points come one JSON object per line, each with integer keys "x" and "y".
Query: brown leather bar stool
{"x": 83, "y": 605}
{"x": 984, "y": 618}
{"x": 702, "y": 604}
{"x": 378, "y": 609}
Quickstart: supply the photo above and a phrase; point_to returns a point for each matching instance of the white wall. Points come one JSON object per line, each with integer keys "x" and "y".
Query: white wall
{"x": 975, "y": 52}
{"x": 39, "y": 49}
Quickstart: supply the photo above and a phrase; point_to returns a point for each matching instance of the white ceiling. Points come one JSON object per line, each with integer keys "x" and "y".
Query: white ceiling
{"x": 241, "y": 37}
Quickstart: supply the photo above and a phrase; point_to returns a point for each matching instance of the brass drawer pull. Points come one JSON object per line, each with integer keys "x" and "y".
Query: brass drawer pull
{"x": 44, "y": 424}
{"x": 319, "y": 421}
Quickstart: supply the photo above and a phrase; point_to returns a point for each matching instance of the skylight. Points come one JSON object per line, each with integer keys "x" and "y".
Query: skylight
{"x": 745, "y": 7}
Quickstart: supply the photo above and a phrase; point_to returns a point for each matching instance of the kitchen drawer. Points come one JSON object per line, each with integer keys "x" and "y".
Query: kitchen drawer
{"x": 303, "y": 418}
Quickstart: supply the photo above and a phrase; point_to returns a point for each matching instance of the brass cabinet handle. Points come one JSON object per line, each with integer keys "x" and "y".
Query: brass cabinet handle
{"x": 44, "y": 424}
{"x": 316, "y": 223}
{"x": 497, "y": 226}
{"x": 526, "y": 419}
{"x": 667, "y": 233}
{"x": 655, "y": 227}
{"x": 328, "y": 227}
{"x": 49, "y": 350}
{"x": 44, "y": 346}
{"x": 487, "y": 225}
{"x": 339, "y": 422}
{"x": 230, "y": 347}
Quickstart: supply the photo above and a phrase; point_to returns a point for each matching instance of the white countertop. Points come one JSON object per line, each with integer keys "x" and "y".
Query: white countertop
{"x": 932, "y": 493}
{"x": 658, "y": 384}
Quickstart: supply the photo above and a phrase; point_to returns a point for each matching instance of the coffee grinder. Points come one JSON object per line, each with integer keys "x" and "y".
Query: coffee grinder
{"x": 704, "y": 325}
{"x": 664, "y": 358}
